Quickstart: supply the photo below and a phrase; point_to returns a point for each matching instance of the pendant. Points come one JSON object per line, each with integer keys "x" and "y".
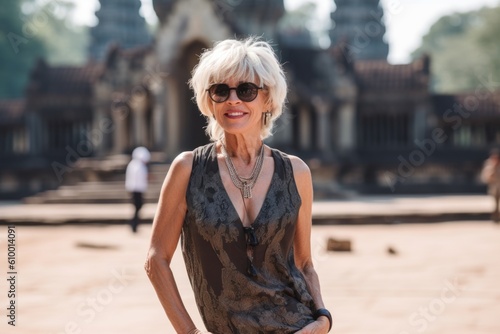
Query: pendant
{"x": 247, "y": 190}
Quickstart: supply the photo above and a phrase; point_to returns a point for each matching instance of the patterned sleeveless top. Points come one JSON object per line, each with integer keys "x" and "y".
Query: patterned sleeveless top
{"x": 214, "y": 246}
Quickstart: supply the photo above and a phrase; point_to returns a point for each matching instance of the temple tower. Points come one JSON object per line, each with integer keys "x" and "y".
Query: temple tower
{"x": 119, "y": 23}
{"x": 245, "y": 17}
{"x": 253, "y": 17}
{"x": 359, "y": 30}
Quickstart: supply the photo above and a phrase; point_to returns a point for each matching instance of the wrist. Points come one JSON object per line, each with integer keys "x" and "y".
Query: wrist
{"x": 323, "y": 315}
{"x": 324, "y": 321}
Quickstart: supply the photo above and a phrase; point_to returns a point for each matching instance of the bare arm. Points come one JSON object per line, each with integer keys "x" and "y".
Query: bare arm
{"x": 302, "y": 243}
{"x": 487, "y": 172}
{"x": 166, "y": 232}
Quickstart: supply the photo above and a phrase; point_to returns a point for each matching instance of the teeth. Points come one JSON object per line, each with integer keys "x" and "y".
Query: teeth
{"x": 235, "y": 114}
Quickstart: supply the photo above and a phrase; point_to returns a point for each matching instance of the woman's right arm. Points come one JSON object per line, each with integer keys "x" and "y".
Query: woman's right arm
{"x": 167, "y": 226}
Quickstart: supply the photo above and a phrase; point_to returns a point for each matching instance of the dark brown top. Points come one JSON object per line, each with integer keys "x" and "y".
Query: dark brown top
{"x": 214, "y": 246}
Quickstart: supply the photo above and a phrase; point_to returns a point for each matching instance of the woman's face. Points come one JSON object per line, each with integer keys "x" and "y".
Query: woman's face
{"x": 238, "y": 117}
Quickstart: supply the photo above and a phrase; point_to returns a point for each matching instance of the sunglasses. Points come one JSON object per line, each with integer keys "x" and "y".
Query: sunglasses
{"x": 246, "y": 92}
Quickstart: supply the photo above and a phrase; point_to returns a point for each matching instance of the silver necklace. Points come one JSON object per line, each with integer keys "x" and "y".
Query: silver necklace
{"x": 244, "y": 184}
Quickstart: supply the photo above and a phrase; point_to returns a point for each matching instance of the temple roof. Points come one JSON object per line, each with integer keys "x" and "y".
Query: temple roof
{"x": 376, "y": 75}
{"x": 310, "y": 71}
{"x": 244, "y": 17}
{"x": 63, "y": 80}
{"x": 134, "y": 56}
{"x": 471, "y": 104}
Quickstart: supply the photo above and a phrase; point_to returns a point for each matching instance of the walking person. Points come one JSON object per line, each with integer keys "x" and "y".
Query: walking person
{"x": 491, "y": 176}
{"x": 241, "y": 208}
{"x": 136, "y": 181}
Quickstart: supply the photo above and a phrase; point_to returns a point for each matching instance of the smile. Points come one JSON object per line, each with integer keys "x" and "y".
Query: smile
{"x": 235, "y": 114}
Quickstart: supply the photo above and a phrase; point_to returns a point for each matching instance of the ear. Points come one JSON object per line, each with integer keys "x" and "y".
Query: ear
{"x": 268, "y": 105}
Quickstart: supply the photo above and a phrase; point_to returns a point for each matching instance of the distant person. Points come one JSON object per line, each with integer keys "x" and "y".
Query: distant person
{"x": 491, "y": 176}
{"x": 136, "y": 181}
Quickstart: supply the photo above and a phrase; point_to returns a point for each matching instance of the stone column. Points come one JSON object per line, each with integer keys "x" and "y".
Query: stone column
{"x": 138, "y": 104}
{"x": 324, "y": 130}
{"x": 304, "y": 128}
{"x": 347, "y": 127}
{"x": 172, "y": 117}
{"x": 97, "y": 134}
{"x": 35, "y": 134}
{"x": 420, "y": 122}
{"x": 159, "y": 117}
{"x": 120, "y": 113}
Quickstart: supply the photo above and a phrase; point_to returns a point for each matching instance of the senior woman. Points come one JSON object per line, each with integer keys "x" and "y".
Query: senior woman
{"x": 243, "y": 209}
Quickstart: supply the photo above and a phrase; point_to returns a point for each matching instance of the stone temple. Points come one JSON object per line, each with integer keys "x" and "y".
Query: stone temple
{"x": 119, "y": 23}
{"x": 359, "y": 29}
{"x": 361, "y": 123}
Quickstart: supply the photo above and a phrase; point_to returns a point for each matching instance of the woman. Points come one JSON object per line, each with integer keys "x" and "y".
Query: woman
{"x": 242, "y": 208}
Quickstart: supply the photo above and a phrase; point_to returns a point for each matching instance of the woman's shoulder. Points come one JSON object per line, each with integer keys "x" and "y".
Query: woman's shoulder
{"x": 182, "y": 164}
{"x": 299, "y": 167}
{"x": 185, "y": 160}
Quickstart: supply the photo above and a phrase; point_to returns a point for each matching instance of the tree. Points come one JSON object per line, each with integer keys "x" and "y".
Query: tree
{"x": 464, "y": 49}
{"x": 65, "y": 42}
{"x": 488, "y": 38}
{"x": 19, "y": 48}
{"x": 302, "y": 24}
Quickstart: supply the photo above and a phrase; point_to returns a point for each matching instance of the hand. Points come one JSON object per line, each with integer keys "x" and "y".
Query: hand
{"x": 320, "y": 326}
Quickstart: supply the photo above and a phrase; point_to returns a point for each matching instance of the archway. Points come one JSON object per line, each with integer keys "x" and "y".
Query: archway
{"x": 192, "y": 122}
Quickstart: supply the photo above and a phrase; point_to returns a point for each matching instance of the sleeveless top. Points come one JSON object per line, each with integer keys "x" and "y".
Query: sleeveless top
{"x": 214, "y": 246}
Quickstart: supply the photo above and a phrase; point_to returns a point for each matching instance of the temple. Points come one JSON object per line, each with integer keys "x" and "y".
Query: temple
{"x": 119, "y": 22}
{"x": 358, "y": 29}
{"x": 361, "y": 124}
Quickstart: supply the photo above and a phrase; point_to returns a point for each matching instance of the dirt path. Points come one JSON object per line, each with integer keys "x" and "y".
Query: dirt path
{"x": 445, "y": 278}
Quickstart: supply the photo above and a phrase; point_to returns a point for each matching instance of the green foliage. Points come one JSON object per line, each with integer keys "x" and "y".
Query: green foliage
{"x": 65, "y": 42}
{"x": 19, "y": 48}
{"x": 489, "y": 40}
{"x": 465, "y": 50}
{"x": 29, "y": 30}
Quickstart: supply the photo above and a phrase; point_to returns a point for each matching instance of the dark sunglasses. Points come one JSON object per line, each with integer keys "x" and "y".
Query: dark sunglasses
{"x": 246, "y": 92}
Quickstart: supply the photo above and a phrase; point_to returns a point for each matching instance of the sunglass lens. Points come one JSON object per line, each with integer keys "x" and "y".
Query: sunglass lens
{"x": 247, "y": 92}
{"x": 219, "y": 93}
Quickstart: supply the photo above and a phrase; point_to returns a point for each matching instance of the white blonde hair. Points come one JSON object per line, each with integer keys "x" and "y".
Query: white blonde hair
{"x": 249, "y": 60}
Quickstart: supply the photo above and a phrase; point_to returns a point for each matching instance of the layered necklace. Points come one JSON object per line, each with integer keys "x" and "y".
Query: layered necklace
{"x": 244, "y": 184}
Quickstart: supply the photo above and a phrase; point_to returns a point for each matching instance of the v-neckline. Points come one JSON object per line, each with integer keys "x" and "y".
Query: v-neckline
{"x": 266, "y": 197}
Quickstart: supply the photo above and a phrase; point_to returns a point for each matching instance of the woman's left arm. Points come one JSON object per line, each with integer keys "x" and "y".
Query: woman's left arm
{"x": 302, "y": 244}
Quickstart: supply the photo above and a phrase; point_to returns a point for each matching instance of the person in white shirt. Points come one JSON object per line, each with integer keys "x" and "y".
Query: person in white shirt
{"x": 136, "y": 181}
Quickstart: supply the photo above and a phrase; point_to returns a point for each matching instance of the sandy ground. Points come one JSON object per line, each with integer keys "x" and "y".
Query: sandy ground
{"x": 445, "y": 278}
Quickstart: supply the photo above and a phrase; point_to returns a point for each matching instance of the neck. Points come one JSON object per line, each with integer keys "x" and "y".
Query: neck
{"x": 244, "y": 148}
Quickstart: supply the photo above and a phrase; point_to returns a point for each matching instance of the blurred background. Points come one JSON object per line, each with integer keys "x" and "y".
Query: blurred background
{"x": 385, "y": 96}
{"x": 393, "y": 104}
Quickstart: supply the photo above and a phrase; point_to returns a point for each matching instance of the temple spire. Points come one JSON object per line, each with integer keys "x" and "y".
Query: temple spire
{"x": 359, "y": 29}
{"x": 119, "y": 23}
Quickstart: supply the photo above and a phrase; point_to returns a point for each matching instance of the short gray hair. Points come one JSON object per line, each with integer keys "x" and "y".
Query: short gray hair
{"x": 251, "y": 60}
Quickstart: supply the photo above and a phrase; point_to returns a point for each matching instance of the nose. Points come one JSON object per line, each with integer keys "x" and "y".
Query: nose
{"x": 233, "y": 97}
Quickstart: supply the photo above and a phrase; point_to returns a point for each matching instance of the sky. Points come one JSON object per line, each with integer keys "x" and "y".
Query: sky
{"x": 407, "y": 21}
